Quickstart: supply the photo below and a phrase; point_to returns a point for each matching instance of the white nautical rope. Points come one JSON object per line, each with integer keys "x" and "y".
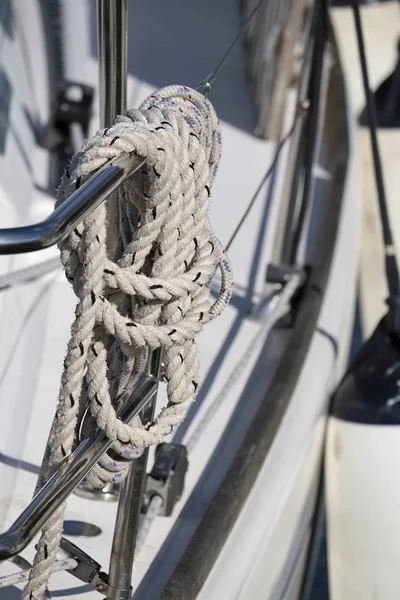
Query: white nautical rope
{"x": 22, "y": 576}
{"x": 153, "y": 294}
{"x": 147, "y": 521}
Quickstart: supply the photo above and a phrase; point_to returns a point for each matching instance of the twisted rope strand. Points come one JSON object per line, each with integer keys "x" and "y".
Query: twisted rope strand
{"x": 154, "y": 293}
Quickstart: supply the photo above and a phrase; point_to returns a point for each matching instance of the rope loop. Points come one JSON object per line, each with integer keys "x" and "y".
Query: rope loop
{"x": 153, "y": 292}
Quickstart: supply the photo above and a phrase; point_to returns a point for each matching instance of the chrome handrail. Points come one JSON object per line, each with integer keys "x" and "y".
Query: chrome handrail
{"x": 61, "y": 485}
{"x": 71, "y": 212}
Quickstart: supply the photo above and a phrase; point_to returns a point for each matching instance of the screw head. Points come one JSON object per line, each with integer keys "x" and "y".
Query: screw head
{"x": 100, "y": 587}
{"x": 304, "y": 106}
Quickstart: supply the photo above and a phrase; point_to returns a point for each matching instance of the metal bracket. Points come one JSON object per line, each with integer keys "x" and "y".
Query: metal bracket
{"x": 280, "y": 274}
{"x": 276, "y": 277}
{"x": 167, "y": 477}
{"x": 87, "y": 568}
{"x": 89, "y": 571}
{"x": 101, "y": 585}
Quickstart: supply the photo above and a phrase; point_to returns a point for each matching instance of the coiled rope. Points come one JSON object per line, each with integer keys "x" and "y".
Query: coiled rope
{"x": 154, "y": 293}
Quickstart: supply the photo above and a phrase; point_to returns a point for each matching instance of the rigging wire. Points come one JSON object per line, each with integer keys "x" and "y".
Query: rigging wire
{"x": 205, "y": 86}
{"x": 391, "y": 266}
{"x": 265, "y": 178}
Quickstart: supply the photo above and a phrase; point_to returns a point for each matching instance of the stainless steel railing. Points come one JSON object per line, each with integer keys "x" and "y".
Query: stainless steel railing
{"x": 69, "y": 475}
{"x": 70, "y": 213}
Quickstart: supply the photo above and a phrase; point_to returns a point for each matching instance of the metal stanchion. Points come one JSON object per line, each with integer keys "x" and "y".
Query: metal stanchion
{"x": 112, "y": 35}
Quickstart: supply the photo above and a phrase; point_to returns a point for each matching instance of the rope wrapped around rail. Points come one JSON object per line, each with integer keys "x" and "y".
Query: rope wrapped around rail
{"x": 153, "y": 294}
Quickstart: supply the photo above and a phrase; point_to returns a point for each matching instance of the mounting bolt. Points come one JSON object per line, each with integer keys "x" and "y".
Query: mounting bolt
{"x": 304, "y": 106}
{"x": 100, "y": 587}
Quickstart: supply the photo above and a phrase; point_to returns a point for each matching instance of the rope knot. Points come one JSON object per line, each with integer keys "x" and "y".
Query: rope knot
{"x": 153, "y": 293}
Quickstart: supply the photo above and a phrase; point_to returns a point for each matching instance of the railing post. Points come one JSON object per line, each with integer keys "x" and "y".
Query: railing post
{"x": 112, "y": 26}
{"x": 112, "y": 41}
